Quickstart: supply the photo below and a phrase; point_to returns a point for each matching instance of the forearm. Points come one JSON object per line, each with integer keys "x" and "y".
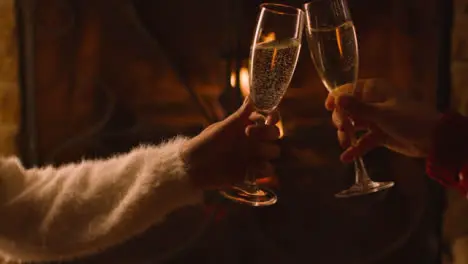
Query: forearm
{"x": 55, "y": 213}
{"x": 448, "y": 160}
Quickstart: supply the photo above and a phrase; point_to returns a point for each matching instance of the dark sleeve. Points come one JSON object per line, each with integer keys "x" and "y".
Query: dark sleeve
{"x": 447, "y": 162}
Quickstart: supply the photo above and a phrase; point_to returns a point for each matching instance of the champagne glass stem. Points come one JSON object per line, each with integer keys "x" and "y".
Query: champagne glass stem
{"x": 363, "y": 183}
{"x": 361, "y": 173}
{"x": 360, "y": 170}
{"x": 251, "y": 177}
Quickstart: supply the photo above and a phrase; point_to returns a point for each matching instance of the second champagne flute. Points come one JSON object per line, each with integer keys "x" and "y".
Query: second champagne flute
{"x": 273, "y": 58}
{"x": 334, "y": 49}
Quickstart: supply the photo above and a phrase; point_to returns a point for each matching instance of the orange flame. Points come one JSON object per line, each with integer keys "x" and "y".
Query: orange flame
{"x": 269, "y": 37}
{"x": 244, "y": 81}
{"x": 233, "y": 79}
{"x": 281, "y": 128}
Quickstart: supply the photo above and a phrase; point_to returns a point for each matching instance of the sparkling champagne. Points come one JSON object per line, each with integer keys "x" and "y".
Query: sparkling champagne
{"x": 335, "y": 54}
{"x": 273, "y": 65}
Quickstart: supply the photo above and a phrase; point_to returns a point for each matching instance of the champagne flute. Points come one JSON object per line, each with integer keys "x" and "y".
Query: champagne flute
{"x": 334, "y": 49}
{"x": 273, "y": 58}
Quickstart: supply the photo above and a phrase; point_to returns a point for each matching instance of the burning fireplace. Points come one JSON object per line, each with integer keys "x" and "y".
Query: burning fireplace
{"x": 100, "y": 77}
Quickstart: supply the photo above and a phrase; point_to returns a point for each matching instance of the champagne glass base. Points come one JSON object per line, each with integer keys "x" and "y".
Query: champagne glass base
{"x": 251, "y": 195}
{"x": 364, "y": 188}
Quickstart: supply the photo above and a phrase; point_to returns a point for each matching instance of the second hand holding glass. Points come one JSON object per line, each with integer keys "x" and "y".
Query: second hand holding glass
{"x": 334, "y": 49}
{"x": 273, "y": 58}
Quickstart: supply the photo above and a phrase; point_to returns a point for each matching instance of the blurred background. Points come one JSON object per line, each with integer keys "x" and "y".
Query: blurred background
{"x": 91, "y": 78}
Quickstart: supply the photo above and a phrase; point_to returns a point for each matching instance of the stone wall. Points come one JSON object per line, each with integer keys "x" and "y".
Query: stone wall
{"x": 9, "y": 89}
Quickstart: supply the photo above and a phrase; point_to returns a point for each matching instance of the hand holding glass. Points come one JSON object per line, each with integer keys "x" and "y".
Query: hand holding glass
{"x": 273, "y": 58}
{"x": 334, "y": 49}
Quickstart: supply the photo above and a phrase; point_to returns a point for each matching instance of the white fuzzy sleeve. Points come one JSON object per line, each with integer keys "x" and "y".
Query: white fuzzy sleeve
{"x": 60, "y": 213}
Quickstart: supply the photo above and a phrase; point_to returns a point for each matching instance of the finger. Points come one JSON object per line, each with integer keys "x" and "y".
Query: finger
{"x": 344, "y": 122}
{"x": 345, "y": 89}
{"x": 348, "y": 90}
{"x": 330, "y": 102}
{"x": 264, "y": 151}
{"x": 273, "y": 118}
{"x": 344, "y": 139}
{"x": 263, "y": 132}
{"x": 357, "y": 109}
{"x": 244, "y": 112}
{"x": 340, "y": 120}
{"x": 257, "y": 117}
{"x": 359, "y": 124}
{"x": 365, "y": 144}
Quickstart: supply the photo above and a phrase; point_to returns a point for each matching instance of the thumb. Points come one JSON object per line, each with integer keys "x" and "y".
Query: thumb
{"x": 242, "y": 114}
{"x": 356, "y": 108}
{"x": 245, "y": 110}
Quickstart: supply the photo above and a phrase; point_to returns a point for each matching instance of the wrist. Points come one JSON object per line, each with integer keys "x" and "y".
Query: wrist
{"x": 189, "y": 162}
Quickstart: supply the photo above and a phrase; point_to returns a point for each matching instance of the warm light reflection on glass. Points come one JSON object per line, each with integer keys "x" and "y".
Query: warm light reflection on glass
{"x": 271, "y": 181}
{"x": 245, "y": 89}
